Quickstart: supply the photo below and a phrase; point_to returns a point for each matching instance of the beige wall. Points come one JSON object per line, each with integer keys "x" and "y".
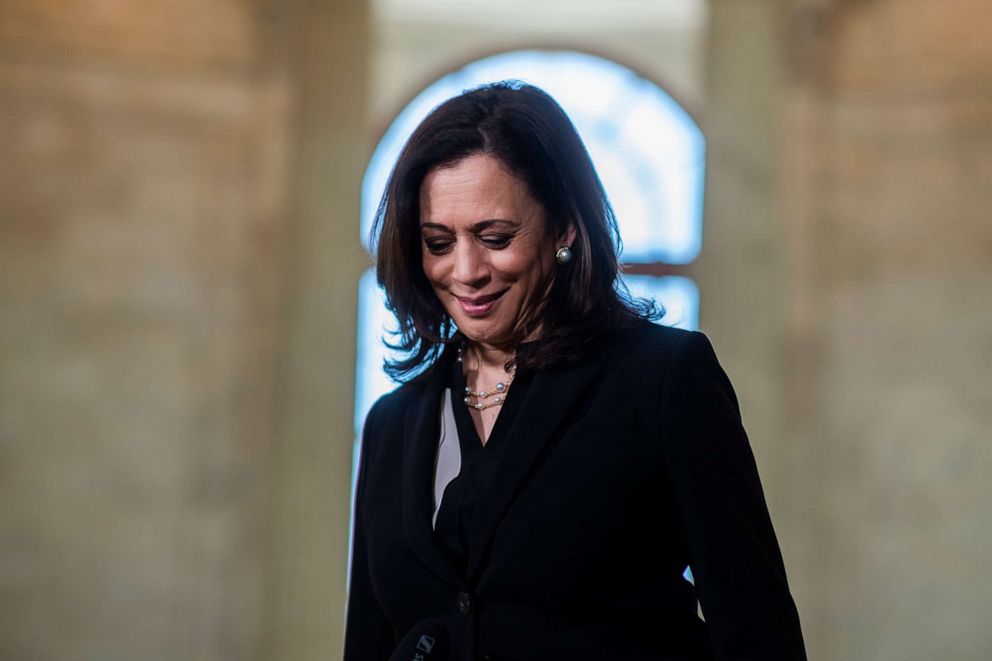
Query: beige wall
{"x": 890, "y": 316}
{"x": 179, "y": 253}
{"x": 848, "y": 226}
{"x": 178, "y": 263}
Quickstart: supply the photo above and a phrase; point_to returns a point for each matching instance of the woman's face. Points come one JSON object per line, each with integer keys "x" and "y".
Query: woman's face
{"x": 486, "y": 251}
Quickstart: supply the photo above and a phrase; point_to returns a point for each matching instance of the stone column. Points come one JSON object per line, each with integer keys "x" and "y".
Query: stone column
{"x": 312, "y": 451}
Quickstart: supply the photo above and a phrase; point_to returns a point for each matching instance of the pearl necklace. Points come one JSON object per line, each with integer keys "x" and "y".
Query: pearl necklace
{"x": 498, "y": 393}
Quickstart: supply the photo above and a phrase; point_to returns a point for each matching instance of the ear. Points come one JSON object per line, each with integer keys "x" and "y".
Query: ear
{"x": 567, "y": 238}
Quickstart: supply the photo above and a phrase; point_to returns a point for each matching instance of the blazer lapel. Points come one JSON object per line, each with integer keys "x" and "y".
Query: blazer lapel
{"x": 551, "y": 396}
{"x": 419, "y": 454}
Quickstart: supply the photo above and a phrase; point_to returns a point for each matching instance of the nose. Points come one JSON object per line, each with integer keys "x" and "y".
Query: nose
{"x": 471, "y": 269}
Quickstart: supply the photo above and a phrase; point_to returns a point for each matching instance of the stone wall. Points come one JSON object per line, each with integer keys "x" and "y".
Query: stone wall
{"x": 866, "y": 194}
{"x": 154, "y": 210}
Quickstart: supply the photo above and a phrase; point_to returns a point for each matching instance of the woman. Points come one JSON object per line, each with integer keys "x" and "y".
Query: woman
{"x": 554, "y": 461}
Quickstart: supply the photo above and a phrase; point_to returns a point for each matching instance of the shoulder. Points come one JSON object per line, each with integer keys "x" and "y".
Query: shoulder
{"x": 391, "y": 408}
{"x": 662, "y": 359}
{"x": 653, "y": 346}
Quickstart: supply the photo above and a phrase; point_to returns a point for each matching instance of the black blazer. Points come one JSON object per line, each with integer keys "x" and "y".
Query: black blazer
{"x": 616, "y": 474}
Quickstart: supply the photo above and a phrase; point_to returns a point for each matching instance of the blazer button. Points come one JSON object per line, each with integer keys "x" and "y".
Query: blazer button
{"x": 464, "y": 603}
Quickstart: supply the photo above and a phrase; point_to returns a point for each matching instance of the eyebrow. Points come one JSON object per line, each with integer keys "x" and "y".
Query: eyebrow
{"x": 477, "y": 227}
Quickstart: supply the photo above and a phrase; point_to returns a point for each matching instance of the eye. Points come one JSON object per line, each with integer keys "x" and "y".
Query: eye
{"x": 438, "y": 246}
{"x": 496, "y": 241}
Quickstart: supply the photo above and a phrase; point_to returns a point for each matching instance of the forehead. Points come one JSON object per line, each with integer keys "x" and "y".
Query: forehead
{"x": 478, "y": 187}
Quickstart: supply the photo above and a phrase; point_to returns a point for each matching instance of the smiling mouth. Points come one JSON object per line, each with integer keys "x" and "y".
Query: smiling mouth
{"x": 479, "y": 305}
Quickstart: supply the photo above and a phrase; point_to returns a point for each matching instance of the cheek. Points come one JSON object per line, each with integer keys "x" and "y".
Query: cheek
{"x": 434, "y": 270}
{"x": 529, "y": 266}
{"x": 518, "y": 264}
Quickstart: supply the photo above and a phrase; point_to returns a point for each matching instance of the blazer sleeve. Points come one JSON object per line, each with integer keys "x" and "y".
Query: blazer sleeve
{"x": 735, "y": 560}
{"x": 368, "y": 633}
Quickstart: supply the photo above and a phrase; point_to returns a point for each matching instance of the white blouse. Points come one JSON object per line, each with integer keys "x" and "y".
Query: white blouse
{"x": 449, "y": 454}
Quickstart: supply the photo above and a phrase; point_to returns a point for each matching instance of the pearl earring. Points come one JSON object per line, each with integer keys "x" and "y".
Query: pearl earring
{"x": 563, "y": 256}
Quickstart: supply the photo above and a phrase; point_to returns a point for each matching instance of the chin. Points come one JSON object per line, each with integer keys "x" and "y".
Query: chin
{"x": 476, "y": 331}
{"x": 473, "y": 333}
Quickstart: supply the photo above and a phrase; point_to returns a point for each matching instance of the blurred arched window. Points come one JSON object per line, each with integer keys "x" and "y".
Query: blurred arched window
{"x": 650, "y": 155}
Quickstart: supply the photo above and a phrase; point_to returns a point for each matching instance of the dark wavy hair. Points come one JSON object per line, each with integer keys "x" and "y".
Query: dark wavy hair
{"x": 527, "y": 131}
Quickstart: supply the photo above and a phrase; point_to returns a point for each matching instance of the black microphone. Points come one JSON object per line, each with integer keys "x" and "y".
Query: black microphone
{"x": 428, "y": 640}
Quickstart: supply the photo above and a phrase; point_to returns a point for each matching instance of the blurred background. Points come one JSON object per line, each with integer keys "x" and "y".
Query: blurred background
{"x": 181, "y": 255}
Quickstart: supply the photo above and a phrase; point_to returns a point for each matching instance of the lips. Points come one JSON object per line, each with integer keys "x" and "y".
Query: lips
{"x": 477, "y": 306}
